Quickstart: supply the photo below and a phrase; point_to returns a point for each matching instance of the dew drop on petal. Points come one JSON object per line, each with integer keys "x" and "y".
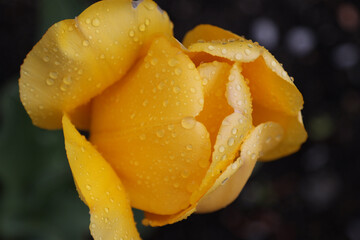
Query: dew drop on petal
{"x": 188, "y": 122}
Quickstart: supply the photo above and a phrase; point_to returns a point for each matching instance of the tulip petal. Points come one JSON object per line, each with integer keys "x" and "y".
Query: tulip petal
{"x": 229, "y": 185}
{"x": 153, "y": 140}
{"x": 269, "y": 83}
{"x": 214, "y": 77}
{"x": 160, "y": 166}
{"x": 99, "y": 187}
{"x": 167, "y": 87}
{"x": 77, "y": 59}
{"x": 233, "y": 130}
{"x": 207, "y": 33}
{"x": 294, "y": 131}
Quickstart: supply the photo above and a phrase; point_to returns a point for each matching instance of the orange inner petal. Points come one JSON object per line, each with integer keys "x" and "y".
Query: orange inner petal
{"x": 214, "y": 77}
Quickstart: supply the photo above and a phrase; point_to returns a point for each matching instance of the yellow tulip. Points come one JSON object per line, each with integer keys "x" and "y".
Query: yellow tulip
{"x": 174, "y": 128}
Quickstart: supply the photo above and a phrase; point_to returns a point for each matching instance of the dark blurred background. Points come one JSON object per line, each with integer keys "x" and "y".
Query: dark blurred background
{"x": 313, "y": 194}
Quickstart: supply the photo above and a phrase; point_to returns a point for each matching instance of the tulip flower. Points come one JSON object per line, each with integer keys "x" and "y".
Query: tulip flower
{"x": 174, "y": 128}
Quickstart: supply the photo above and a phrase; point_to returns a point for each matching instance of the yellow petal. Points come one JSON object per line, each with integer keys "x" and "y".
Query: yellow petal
{"x": 269, "y": 83}
{"x": 229, "y": 185}
{"x": 77, "y": 59}
{"x": 271, "y": 87}
{"x": 153, "y": 140}
{"x": 207, "y": 33}
{"x": 233, "y": 130}
{"x": 99, "y": 187}
{"x": 294, "y": 131}
{"x": 214, "y": 77}
{"x": 167, "y": 87}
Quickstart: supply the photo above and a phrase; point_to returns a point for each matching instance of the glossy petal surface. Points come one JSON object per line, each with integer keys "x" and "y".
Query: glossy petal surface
{"x": 153, "y": 140}
{"x": 99, "y": 187}
{"x": 294, "y": 131}
{"x": 77, "y": 59}
{"x": 231, "y": 134}
{"x": 214, "y": 77}
{"x": 229, "y": 185}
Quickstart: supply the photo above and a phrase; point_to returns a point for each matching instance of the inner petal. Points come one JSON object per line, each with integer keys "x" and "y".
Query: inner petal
{"x": 214, "y": 77}
{"x": 152, "y": 140}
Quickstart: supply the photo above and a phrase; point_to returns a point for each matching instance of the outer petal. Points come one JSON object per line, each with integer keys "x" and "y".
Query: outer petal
{"x": 207, "y": 33}
{"x": 152, "y": 140}
{"x": 228, "y": 186}
{"x": 99, "y": 187}
{"x": 77, "y": 59}
{"x": 294, "y": 131}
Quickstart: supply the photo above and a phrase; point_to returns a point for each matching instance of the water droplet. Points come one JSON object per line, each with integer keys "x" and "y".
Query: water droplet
{"x": 171, "y": 127}
{"x": 178, "y": 71}
{"x": 211, "y": 47}
{"x": 93, "y": 225}
{"x": 53, "y": 75}
{"x": 188, "y": 122}
{"x": 154, "y": 61}
{"x": 142, "y": 27}
{"x": 191, "y": 66}
{"x": 223, "y": 51}
{"x": 185, "y": 173}
{"x": 176, "y": 185}
{"x": 147, "y": 22}
{"x": 193, "y": 90}
{"x": 161, "y": 85}
{"x": 231, "y": 141}
{"x": 88, "y": 187}
{"x": 107, "y": 210}
{"x": 131, "y": 33}
{"x": 189, "y": 147}
{"x": 273, "y": 63}
{"x": 160, "y": 133}
{"x": 176, "y": 89}
{"x": 221, "y": 149}
{"x": 142, "y": 137}
{"x": 205, "y": 81}
{"x": 278, "y": 138}
{"x": 253, "y": 156}
{"x": 63, "y": 87}
{"x": 247, "y": 52}
{"x": 85, "y": 43}
{"x": 234, "y": 131}
{"x": 88, "y": 21}
{"x": 173, "y": 62}
{"x": 50, "y": 82}
{"x": 145, "y": 103}
{"x": 165, "y": 103}
{"x": 46, "y": 59}
{"x": 268, "y": 140}
{"x": 95, "y": 22}
{"x": 67, "y": 80}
